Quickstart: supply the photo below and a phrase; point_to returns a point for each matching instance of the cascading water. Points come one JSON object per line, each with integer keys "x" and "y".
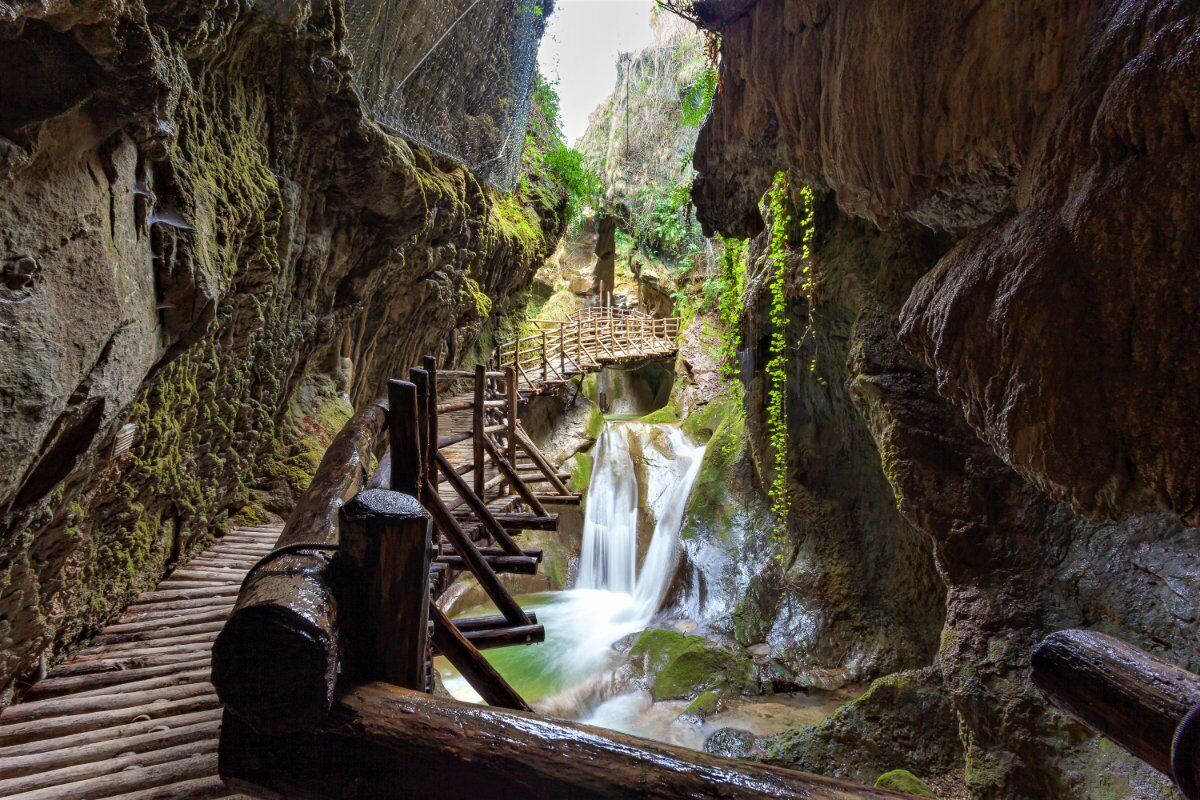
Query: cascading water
{"x": 641, "y": 472}
{"x": 608, "y": 560}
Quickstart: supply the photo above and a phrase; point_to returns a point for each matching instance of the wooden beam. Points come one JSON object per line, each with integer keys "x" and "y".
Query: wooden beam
{"x": 475, "y": 562}
{"x": 386, "y": 743}
{"x": 478, "y": 506}
{"x": 477, "y": 428}
{"x": 404, "y": 437}
{"x": 482, "y": 676}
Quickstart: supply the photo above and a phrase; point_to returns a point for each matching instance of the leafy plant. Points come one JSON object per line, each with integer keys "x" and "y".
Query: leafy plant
{"x": 698, "y": 97}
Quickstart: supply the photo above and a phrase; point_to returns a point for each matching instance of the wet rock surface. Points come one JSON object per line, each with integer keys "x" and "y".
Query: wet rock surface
{"x": 1018, "y": 364}
{"x": 197, "y": 219}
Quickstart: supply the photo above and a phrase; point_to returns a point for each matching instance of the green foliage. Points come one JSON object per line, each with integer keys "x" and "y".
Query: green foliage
{"x": 725, "y": 291}
{"x": 549, "y": 167}
{"x": 698, "y": 97}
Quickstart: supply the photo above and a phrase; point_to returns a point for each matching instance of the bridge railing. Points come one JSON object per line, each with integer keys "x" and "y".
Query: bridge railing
{"x": 556, "y": 350}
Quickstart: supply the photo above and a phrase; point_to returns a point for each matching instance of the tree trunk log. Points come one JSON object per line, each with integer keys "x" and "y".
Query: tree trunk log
{"x": 381, "y": 742}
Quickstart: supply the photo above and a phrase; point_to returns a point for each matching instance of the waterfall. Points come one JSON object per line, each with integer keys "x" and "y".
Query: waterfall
{"x": 639, "y": 470}
{"x": 670, "y": 464}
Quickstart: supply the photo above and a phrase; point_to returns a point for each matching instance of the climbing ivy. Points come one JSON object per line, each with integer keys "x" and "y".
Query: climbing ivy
{"x": 779, "y": 212}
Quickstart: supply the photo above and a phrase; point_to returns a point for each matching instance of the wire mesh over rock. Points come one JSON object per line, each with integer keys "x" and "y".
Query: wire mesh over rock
{"x": 452, "y": 75}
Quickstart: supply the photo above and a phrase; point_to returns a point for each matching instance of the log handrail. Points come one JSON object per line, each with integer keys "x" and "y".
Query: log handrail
{"x": 1142, "y": 703}
{"x": 386, "y": 743}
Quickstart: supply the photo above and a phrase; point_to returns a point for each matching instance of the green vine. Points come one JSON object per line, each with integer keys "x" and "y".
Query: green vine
{"x": 778, "y": 206}
{"x": 726, "y": 292}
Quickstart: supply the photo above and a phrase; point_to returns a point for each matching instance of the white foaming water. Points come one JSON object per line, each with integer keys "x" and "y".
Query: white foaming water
{"x": 608, "y": 559}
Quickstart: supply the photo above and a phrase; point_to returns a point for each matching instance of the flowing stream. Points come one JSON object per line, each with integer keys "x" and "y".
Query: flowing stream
{"x": 642, "y": 477}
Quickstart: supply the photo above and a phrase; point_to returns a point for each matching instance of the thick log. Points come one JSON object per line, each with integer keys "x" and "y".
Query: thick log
{"x": 385, "y": 743}
{"x": 276, "y": 659}
{"x": 1133, "y": 698}
{"x": 383, "y": 575}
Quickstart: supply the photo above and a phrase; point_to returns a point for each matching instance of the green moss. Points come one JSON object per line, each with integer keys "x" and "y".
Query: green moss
{"x": 516, "y": 221}
{"x": 682, "y": 666}
{"x": 476, "y": 297}
{"x": 315, "y": 417}
{"x": 901, "y": 780}
{"x": 724, "y": 422}
{"x": 595, "y": 424}
{"x": 665, "y": 415}
{"x": 581, "y": 472}
{"x": 704, "y": 706}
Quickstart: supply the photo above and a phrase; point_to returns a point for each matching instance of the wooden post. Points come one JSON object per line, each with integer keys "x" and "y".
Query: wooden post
{"x": 430, "y": 466}
{"x": 510, "y": 378}
{"x": 517, "y": 351}
{"x": 477, "y": 429}
{"x": 579, "y": 345}
{"x": 403, "y": 437}
{"x": 420, "y": 379}
{"x": 562, "y": 350}
{"x": 383, "y": 562}
{"x": 544, "y": 362}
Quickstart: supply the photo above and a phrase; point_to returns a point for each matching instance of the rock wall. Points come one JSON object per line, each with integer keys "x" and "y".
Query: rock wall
{"x": 198, "y": 219}
{"x": 1004, "y": 198}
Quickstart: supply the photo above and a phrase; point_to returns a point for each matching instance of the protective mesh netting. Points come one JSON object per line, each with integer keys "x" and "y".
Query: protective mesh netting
{"x": 452, "y": 75}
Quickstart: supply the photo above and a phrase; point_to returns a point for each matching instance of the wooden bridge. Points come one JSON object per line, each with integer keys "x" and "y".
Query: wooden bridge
{"x": 558, "y": 350}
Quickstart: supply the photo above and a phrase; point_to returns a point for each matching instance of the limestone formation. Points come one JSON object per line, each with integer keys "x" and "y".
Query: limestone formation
{"x": 198, "y": 218}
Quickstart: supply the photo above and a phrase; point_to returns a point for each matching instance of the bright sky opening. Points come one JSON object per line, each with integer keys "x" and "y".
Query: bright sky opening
{"x": 580, "y": 49}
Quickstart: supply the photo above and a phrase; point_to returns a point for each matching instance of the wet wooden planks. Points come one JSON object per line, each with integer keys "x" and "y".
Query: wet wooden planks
{"x": 132, "y": 716}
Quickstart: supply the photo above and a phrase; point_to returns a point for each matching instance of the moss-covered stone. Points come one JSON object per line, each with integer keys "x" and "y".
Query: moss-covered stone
{"x": 681, "y": 667}
{"x": 668, "y": 414}
{"x": 580, "y": 466}
{"x": 901, "y": 780}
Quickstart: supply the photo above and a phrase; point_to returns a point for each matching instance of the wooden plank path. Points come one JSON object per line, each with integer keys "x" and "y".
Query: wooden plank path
{"x": 132, "y": 716}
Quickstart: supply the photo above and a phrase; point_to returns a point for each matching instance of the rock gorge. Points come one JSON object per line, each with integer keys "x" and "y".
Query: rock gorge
{"x": 1001, "y": 323}
{"x": 209, "y": 253}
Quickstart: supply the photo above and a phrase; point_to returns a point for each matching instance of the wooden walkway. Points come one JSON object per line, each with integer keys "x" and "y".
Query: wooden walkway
{"x": 133, "y": 715}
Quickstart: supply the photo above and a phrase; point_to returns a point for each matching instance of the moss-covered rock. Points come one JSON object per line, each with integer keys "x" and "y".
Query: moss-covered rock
{"x": 905, "y": 718}
{"x": 678, "y": 666}
{"x": 901, "y": 780}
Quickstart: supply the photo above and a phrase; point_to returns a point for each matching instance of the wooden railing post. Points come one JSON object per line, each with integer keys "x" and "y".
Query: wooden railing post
{"x": 430, "y": 466}
{"x": 384, "y": 554}
{"x": 477, "y": 429}
{"x": 404, "y": 438}
{"x": 562, "y": 350}
{"x": 420, "y": 379}
{"x": 545, "y": 363}
{"x": 510, "y": 378}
